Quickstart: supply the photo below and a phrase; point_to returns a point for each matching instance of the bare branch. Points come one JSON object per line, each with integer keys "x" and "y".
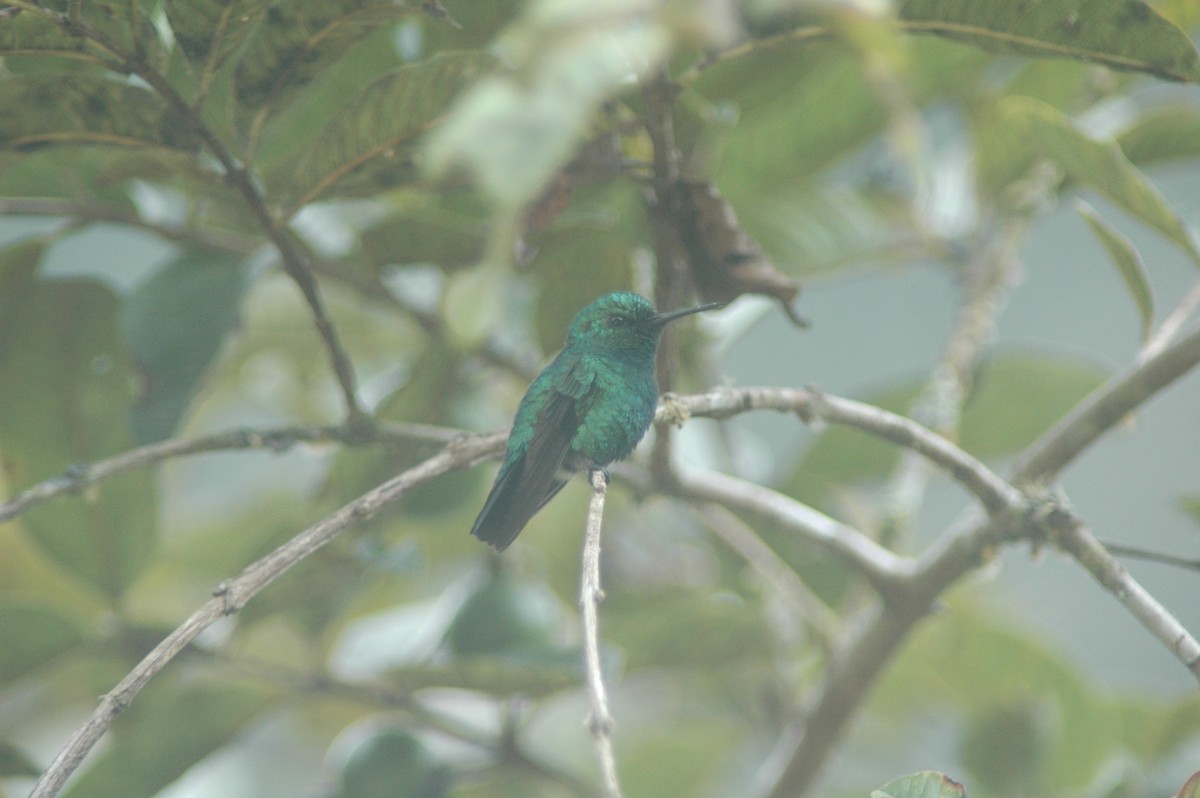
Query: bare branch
{"x": 276, "y": 439}
{"x": 239, "y": 177}
{"x": 1135, "y": 553}
{"x": 884, "y": 570}
{"x": 811, "y": 404}
{"x": 590, "y": 595}
{"x": 1075, "y": 537}
{"x": 230, "y": 596}
{"x": 1103, "y": 409}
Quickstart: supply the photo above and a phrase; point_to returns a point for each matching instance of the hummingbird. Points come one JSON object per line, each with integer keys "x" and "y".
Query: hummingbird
{"x": 589, "y": 407}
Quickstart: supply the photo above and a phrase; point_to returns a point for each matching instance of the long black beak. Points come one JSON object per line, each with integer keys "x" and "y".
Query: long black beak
{"x": 663, "y": 318}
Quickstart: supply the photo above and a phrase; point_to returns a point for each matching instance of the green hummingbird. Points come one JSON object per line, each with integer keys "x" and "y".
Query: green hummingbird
{"x": 589, "y": 407}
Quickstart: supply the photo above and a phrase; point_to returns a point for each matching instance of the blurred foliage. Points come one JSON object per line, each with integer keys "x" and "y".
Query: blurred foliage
{"x": 464, "y": 176}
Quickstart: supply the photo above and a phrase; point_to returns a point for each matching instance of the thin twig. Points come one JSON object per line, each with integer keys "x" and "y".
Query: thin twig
{"x": 600, "y": 720}
{"x": 230, "y": 596}
{"x": 885, "y": 570}
{"x": 1135, "y": 553}
{"x": 276, "y": 439}
{"x": 1077, "y": 539}
{"x": 869, "y": 644}
{"x": 243, "y": 182}
{"x": 1103, "y": 409}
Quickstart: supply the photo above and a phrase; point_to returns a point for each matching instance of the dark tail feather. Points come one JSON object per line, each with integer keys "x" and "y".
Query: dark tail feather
{"x": 504, "y": 514}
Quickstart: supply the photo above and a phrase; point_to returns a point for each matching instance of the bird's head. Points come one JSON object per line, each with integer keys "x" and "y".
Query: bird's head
{"x": 623, "y": 321}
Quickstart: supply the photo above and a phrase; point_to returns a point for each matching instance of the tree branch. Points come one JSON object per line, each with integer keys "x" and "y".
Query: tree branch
{"x": 1045, "y": 459}
{"x": 230, "y": 596}
{"x": 590, "y": 595}
{"x": 243, "y": 183}
{"x": 276, "y": 439}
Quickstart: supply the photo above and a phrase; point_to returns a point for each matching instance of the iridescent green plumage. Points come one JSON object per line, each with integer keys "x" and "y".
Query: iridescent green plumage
{"x": 588, "y": 408}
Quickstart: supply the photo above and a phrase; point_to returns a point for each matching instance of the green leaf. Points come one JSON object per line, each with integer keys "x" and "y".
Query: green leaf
{"x": 515, "y": 132}
{"x": 174, "y": 324}
{"x": 1123, "y": 34}
{"x": 1099, "y": 164}
{"x": 577, "y": 264}
{"x": 502, "y": 615}
{"x": 165, "y": 732}
{"x": 1129, "y": 263}
{"x": 366, "y": 141}
{"x": 297, "y": 41}
{"x": 688, "y": 631}
{"x": 65, "y": 390}
{"x": 33, "y": 635}
{"x": 392, "y": 763}
{"x": 85, "y": 109}
{"x": 1163, "y": 134}
{"x": 211, "y": 30}
{"x": 435, "y": 231}
{"x": 29, "y": 33}
{"x": 925, "y": 784}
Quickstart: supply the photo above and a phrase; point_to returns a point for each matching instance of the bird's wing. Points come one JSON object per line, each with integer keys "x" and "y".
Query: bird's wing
{"x": 534, "y": 477}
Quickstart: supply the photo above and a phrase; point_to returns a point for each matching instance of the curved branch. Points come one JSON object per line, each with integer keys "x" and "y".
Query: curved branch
{"x": 1103, "y": 409}
{"x": 230, "y": 596}
{"x": 236, "y": 174}
{"x": 276, "y": 439}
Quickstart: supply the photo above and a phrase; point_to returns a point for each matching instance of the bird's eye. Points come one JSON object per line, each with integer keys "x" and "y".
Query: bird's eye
{"x": 616, "y": 320}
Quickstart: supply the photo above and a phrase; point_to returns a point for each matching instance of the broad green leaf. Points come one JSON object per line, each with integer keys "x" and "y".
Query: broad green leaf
{"x": 448, "y": 237}
{"x": 297, "y": 40}
{"x": 1097, "y": 163}
{"x": 368, "y": 138}
{"x": 65, "y": 392}
{"x": 821, "y": 229}
{"x": 169, "y": 729}
{"x": 33, "y": 635}
{"x": 1005, "y": 747}
{"x": 1123, "y": 34}
{"x": 18, "y": 263}
{"x": 689, "y": 756}
{"x": 32, "y": 34}
{"x": 85, "y": 110}
{"x": 1128, "y": 262}
{"x": 767, "y": 120}
{"x": 1163, "y": 134}
{"x": 925, "y": 784}
{"x": 174, "y": 324}
{"x": 392, "y": 763}
{"x": 688, "y": 631}
{"x": 577, "y": 264}
{"x": 513, "y": 132}
{"x": 208, "y": 31}
{"x": 124, "y": 22}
